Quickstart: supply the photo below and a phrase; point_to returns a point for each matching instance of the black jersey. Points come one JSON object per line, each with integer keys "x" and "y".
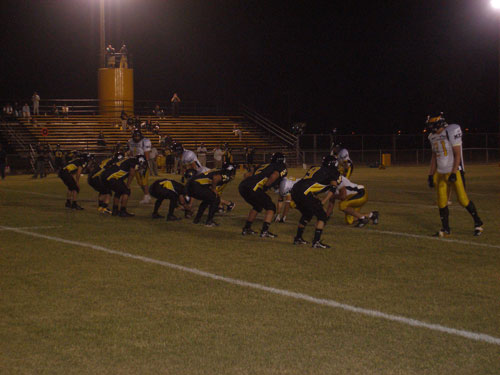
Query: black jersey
{"x": 206, "y": 178}
{"x": 73, "y": 165}
{"x": 262, "y": 174}
{"x": 167, "y": 185}
{"x": 317, "y": 180}
{"x": 120, "y": 170}
{"x": 101, "y": 167}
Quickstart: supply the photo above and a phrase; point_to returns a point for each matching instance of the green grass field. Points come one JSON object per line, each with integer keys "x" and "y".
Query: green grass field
{"x": 82, "y": 293}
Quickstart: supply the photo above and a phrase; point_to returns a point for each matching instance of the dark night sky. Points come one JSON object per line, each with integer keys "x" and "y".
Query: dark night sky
{"x": 364, "y": 66}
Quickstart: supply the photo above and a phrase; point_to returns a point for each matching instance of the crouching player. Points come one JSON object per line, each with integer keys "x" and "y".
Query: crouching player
{"x": 173, "y": 191}
{"x": 70, "y": 175}
{"x": 114, "y": 178}
{"x": 351, "y": 198}
{"x": 94, "y": 180}
{"x": 285, "y": 198}
{"x": 204, "y": 188}
{"x": 253, "y": 190}
{"x": 316, "y": 180}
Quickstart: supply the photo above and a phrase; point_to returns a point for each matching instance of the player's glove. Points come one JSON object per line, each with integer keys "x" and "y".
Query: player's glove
{"x": 430, "y": 181}
{"x": 453, "y": 177}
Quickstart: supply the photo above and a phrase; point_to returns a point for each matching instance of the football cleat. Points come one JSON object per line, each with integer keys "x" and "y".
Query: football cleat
{"x": 299, "y": 241}
{"x": 230, "y": 206}
{"x": 105, "y": 210}
{"x": 374, "y": 217}
{"x": 211, "y": 223}
{"x": 126, "y": 214}
{"x": 362, "y": 222}
{"x": 320, "y": 245}
{"x": 248, "y": 232}
{"x": 173, "y": 218}
{"x": 76, "y": 206}
{"x": 67, "y": 204}
{"x": 145, "y": 200}
{"x": 156, "y": 215}
{"x": 478, "y": 231}
{"x": 267, "y": 234}
{"x": 443, "y": 233}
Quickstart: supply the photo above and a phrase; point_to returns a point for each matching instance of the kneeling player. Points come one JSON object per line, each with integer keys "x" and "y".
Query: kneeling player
{"x": 70, "y": 175}
{"x": 352, "y": 197}
{"x": 253, "y": 190}
{"x": 171, "y": 190}
{"x": 114, "y": 177}
{"x": 317, "y": 180}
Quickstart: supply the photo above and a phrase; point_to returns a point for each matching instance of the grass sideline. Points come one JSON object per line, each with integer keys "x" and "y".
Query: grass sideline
{"x": 70, "y": 309}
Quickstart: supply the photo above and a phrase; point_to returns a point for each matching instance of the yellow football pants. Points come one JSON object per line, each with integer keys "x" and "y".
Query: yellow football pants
{"x": 443, "y": 189}
{"x": 355, "y": 201}
{"x": 142, "y": 178}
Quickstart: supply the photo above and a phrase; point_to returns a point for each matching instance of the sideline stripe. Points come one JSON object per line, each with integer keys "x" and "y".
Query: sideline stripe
{"x": 285, "y": 293}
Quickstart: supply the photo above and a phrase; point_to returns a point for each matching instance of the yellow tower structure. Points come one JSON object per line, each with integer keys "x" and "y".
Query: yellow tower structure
{"x": 116, "y": 90}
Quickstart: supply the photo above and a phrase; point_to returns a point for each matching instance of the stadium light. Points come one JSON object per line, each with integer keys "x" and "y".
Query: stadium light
{"x": 495, "y": 4}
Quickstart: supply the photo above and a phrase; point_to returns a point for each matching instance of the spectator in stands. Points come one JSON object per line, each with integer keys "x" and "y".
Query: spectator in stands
{"x": 36, "y": 103}
{"x": 153, "y": 161}
{"x": 156, "y": 129}
{"x": 158, "y": 112}
{"x": 237, "y": 132}
{"x": 65, "y": 110}
{"x": 55, "y": 110}
{"x": 3, "y": 161}
{"x": 17, "y": 109}
{"x": 8, "y": 111}
{"x": 218, "y": 157}
{"x": 175, "y": 105}
{"x": 130, "y": 123}
{"x": 124, "y": 118}
{"x": 26, "y": 111}
{"x": 124, "y": 57}
{"x": 110, "y": 56}
{"x": 201, "y": 152}
{"x": 100, "y": 140}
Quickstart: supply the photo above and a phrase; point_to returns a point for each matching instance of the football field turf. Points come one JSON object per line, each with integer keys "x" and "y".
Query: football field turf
{"x": 85, "y": 293}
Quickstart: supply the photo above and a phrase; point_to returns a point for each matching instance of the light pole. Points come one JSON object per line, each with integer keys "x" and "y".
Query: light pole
{"x": 102, "y": 35}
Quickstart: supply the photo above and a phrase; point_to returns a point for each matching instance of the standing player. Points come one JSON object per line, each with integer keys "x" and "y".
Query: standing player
{"x": 173, "y": 191}
{"x": 447, "y": 171}
{"x": 140, "y": 146}
{"x": 316, "y": 180}
{"x": 253, "y": 190}
{"x": 70, "y": 175}
{"x": 114, "y": 178}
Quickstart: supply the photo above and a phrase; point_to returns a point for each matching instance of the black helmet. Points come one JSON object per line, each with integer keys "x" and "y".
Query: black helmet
{"x": 137, "y": 134}
{"x": 434, "y": 123}
{"x": 177, "y": 148}
{"x": 278, "y": 158}
{"x": 190, "y": 173}
{"x": 329, "y": 161}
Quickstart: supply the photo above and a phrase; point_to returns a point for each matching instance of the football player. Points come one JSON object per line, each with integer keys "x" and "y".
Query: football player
{"x": 70, "y": 175}
{"x": 188, "y": 159}
{"x": 171, "y": 190}
{"x": 345, "y": 165}
{"x": 253, "y": 190}
{"x": 94, "y": 180}
{"x": 316, "y": 180}
{"x": 114, "y": 179}
{"x": 352, "y": 197}
{"x": 285, "y": 198}
{"x": 140, "y": 146}
{"x": 203, "y": 187}
{"x": 58, "y": 158}
{"x": 447, "y": 171}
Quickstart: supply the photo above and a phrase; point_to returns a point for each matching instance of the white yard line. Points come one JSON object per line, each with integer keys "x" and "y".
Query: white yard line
{"x": 282, "y": 292}
{"x": 36, "y": 227}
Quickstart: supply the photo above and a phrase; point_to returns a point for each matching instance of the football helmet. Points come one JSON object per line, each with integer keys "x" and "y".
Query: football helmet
{"x": 137, "y": 135}
{"x": 190, "y": 173}
{"x": 329, "y": 161}
{"x": 278, "y": 158}
{"x": 434, "y": 123}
